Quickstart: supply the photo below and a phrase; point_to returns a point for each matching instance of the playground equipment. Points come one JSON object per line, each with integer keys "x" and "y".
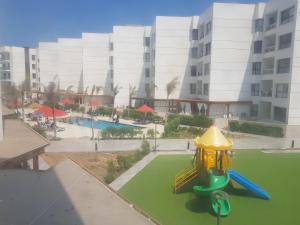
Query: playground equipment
{"x": 211, "y": 166}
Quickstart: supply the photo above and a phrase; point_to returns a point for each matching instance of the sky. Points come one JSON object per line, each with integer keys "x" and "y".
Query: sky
{"x": 26, "y": 22}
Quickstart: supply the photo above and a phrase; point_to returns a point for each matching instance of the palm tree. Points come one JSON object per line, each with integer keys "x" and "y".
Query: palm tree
{"x": 132, "y": 92}
{"x": 52, "y": 96}
{"x": 170, "y": 88}
{"x": 116, "y": 90}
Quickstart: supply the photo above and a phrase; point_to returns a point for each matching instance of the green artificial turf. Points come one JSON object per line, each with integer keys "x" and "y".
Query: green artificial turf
{"x": 279, "y": 174}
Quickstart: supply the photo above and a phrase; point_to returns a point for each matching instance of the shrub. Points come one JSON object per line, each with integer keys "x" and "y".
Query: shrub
{"x": 104, "y": 111}
{"x": 134, "y": 115}
{"x": 122, "y": 132}
{"x": 124, "y": 162}
{"x": 151, "y": 133}
{"x": 145, "y": 147}
{"x": 39, "y": 130}
{"x": 111, "y": 172}
{"x": 73, "y": 107}
{"x": 196, "y": 120}
{"x": 256, "y": 128}
{"x": 171, "y": 126}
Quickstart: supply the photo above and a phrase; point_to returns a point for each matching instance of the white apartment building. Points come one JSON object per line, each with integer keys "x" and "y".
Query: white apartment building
{"x": 131, "y": 62}
{"x": 18, "y": 65}
{"x": 237, "y": 60}
{"x": 78, "y": 63}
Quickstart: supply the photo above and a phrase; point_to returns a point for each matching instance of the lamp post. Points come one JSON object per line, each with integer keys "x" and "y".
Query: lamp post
{"x": 155, "y": 135}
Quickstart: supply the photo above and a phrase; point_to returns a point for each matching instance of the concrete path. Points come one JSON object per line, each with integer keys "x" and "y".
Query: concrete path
{"x": 86, "y": 145}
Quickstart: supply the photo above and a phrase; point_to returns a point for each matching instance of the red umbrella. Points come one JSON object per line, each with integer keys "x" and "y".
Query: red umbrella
{"x": 67, "y": 101}
{"x": 48, "y": 112}
{"x": 145, "y": 109}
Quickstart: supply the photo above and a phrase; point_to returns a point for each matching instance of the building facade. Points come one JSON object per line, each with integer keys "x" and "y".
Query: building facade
{"x": 238, "y": 60}
{"x": 18, "y": 65}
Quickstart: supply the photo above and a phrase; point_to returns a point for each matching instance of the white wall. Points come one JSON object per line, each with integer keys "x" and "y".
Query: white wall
{"x": 48, "y": 61}
{"x": 96, "y": 69}
{"x": 129, "y": 61}
{"x": 172, "y": 50}
{"x": 70, "y": 68}
{"x": 231, "y": 48}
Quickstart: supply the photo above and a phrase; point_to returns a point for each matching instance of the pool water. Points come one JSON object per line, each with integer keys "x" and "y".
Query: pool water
{"x": 98, "y": 124}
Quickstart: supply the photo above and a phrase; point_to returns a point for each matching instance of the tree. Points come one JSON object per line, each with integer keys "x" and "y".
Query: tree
{"x": 170, "y": 88}
{"x": 52, "y": 96}
{"x": 132, "y": 92}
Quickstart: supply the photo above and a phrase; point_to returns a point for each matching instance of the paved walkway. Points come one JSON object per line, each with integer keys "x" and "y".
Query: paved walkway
{"x": 86, "y": 145}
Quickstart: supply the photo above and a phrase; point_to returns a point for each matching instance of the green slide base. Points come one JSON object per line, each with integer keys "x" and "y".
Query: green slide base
{"x": 225, "y": 206}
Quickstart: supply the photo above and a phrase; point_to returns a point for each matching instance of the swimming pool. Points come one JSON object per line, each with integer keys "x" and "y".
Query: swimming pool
{"x": 98, "y": 124}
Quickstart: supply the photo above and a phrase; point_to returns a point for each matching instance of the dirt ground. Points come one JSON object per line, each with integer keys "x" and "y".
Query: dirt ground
{"x": 94, "y": 163}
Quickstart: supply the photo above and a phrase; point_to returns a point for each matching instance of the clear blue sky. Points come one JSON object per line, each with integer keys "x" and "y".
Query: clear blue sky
{"x": 26, "y": 22}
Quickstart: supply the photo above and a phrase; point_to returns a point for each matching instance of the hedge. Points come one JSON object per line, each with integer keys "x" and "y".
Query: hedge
{"x": 197, "y": 120}
{"x": 122, "y": 132}
{"x": 256, "y": 128}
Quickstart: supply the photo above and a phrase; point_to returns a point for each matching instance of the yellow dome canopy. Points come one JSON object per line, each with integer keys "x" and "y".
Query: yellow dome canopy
{"x": 213, "y": 139}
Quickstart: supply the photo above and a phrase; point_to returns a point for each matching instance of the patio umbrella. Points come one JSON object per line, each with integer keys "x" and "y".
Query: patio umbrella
{"x": 48, "y": 112}
{"x": 145, "y": 109}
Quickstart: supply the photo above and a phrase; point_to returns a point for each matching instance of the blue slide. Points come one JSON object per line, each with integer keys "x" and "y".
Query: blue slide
{"x": 249, "y": 185}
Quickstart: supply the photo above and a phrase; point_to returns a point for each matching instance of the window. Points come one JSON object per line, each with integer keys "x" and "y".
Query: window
{"x": 33, "y": 75}
{"x": 200, "y": 70}
{"x": 111, "y": 60}
{"x": 147, "y": 41}
{"x": 270, "y": 43}
{"x": 111, "y": 46}
{"x": 287, "y": 15}
{"x": 256, "y": 68}
{"x": 201, "y": 31}
{"x": 5, "y": 66}
{"x": 266, "y": 88}
{"x": 207, "y": 48}
{"x": 193, "y": 71}
{"x": 268, "y": 65}
{"x": 271, "y": 21}
{"x": 4, "y": 55}
{"x": 4, "y": 75}
{"x": 199, "y": 87}
{"x": 257, "y": 47}
{"x": 254, "y": 110}
{"x": 201, "y": 50}
{"x": 283, "y": 65}
{"x": 259, "y": 25}
{"x": 147, "y": 72}
{"x": 33, "y": 66}
{"x": 33, "y": 57}
{"x": 111, "y": 72}
{"x": 285, "y": 41}
{"x": 194, "y": 52}
{"x": 195, "y": 34}
{"x": 146, "y": 57}
{"x": 279, "y": 114}
{"x": 208, "y": 28}
{"x": 34, "y": 85}
{"x": 206, "y": 69}
{"x": 193, "y": 88}
{"x": 282, "y": 90}
{"x": 255, "y": 89}
{"x": 205, "y": 89}
{"x": 112, "y": 86}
